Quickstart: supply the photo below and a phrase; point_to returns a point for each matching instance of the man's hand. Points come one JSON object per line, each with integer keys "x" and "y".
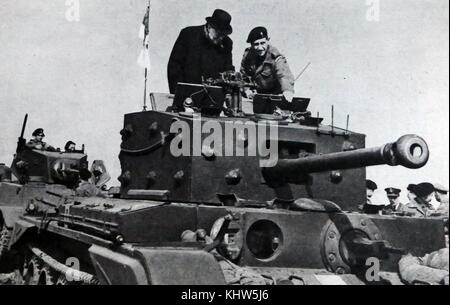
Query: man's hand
{"x": 288, "y": 95}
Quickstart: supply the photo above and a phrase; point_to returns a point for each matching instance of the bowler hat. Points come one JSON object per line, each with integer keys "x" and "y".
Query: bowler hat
{"x": 257, "y": 33}
{"x": 38, "y": 131}
{"x": 221, "y": 21}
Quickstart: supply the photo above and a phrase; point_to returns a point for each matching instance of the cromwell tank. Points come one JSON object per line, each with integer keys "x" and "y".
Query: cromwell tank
{"x": 191, "y": 209}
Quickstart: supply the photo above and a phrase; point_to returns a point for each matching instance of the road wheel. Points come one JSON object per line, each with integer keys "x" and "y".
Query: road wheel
{"x": 5, "y": 237}
{"x": 47, "y": 277}
{"x": 31, "y": 271}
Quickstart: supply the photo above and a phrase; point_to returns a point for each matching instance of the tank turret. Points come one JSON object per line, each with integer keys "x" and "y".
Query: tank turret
{"x": 309, "y": 160}
{"x": 51, "y": 166}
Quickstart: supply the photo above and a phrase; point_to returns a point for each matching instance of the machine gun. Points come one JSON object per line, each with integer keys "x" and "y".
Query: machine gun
{"x": 232, "y": 83}
{"x": 21, "y": 143}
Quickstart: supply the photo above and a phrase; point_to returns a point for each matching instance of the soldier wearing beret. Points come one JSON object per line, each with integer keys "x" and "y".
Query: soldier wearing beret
{"x": 267, "y": 66}
{"x": 202, "y": 52}
{"x": 86, "y": 188}
{"x": 420, "y": 206}
{"x": 37, "y": 143}
{"x": 441, "y": 195}
{"x": 393, "y": 195}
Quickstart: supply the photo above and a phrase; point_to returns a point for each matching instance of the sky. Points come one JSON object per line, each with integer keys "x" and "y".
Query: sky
{"x": 385, "y": 63}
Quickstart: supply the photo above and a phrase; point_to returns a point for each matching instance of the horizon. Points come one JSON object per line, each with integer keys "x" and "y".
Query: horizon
{"x": 77, "y": 79}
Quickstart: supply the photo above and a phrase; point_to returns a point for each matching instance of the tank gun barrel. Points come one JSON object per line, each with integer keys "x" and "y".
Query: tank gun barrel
{"x": 410, "y": 151}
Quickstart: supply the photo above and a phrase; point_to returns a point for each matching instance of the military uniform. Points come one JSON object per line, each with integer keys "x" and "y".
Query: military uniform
{"x": 393, "y": 193}
{"x": 40, "y": 145}
{"x": 87, "y": 189}
{"x": 415, "y": 209}
{"x": 393, "y": 208}
{"x": 443, "y": 208}
{"x": 271, "y": 74}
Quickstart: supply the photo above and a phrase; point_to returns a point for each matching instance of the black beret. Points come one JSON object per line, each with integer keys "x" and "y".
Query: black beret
{"x": 257, "y": 33}
{"x": 371, "y": 185}
{"x": 424, "y": 189}
{"x": 392, "y": 191}
{"x": 411, "y": 188}
{"x": 38, "y": 132}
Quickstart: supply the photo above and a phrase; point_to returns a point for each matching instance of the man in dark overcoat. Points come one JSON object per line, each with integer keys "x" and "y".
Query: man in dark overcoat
{"x": 202, "y": 52}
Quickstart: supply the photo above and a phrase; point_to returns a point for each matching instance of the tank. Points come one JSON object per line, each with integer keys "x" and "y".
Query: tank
{"x": 195, "y": 207}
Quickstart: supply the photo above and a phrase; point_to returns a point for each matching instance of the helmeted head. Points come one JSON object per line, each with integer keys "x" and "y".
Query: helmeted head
{"x": 38, "y": 134}
{"x": 393, "y": 194}
{"x": 441, "y": 192}
{"x": 218, "y": 26}
{"x": 259, "y": 40}
{"x": 70, "y": 146}
{"x": 371, "y": 188}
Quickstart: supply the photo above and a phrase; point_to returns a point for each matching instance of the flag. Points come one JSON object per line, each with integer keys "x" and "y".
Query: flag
{"x": 144, "y": 56}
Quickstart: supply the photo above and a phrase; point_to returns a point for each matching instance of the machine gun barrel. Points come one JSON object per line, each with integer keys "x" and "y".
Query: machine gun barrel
{"x": 410, "y": 151}
{"x": 21, "y": 141}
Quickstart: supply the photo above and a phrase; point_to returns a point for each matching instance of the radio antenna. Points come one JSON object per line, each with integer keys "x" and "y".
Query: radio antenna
{"x": 303, "y": 71}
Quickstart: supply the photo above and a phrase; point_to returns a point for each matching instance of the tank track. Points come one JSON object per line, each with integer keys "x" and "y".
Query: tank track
{"x": 5, "y": 237}
{"x": 41, "y": 269}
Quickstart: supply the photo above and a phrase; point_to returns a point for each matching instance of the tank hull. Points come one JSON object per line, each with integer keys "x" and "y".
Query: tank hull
{"x": 118, "y": 241}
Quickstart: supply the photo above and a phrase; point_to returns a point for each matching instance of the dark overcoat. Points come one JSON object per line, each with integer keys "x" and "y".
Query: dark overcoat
{"x": 194, "y": 56}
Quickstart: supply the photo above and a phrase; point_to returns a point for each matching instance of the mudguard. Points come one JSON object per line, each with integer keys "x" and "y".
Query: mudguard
{"x": 181, "y": 267}
{"x": 156, "y": 266}
{"x": 20, "y": 227}
{"x": 113, "y": 268}
{"x": 9, "y": 215}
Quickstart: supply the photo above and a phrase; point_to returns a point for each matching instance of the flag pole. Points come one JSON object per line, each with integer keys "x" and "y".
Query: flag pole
{"x": 145, "y": 91}
{"x": 146, "y": 33}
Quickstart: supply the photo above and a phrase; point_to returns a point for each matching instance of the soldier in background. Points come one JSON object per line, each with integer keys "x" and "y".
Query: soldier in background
{"x": 202, "y": 51}
{"x": 441, "y": 196}
{"x": 370, "y": 207}
{"x": 70, "y": 147}
{"x": 420, "y": 206}
{"x": 267, "y": 67}
{"x": 393, "y": 195}
{"x": 37, "y": 143}
{"x": 86, "y": 188}
{"x": 5, "y": 173}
